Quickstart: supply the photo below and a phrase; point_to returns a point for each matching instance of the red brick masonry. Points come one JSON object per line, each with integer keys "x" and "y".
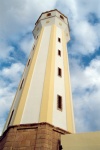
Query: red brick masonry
{"x": 40, "y": 136}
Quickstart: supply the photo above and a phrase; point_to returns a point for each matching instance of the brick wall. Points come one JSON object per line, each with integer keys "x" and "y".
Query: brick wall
{"x": 41, "y": 136}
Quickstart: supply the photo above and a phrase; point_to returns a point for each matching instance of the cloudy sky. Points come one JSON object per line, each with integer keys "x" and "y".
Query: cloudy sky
{"x": 17, "y": 18}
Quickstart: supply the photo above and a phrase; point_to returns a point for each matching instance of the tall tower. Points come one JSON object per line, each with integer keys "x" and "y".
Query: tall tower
{"x": 44, "y": 92}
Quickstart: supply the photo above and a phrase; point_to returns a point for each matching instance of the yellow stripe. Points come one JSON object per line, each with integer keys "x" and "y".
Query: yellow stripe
{"x": 69, "y": 108}
{"x": 21, "y": 105}
{"x": 46, "y": 111}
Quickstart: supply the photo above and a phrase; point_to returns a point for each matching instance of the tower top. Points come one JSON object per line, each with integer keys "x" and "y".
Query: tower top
{"x": 52, "y": 13}
{"x": 50, "y": 18}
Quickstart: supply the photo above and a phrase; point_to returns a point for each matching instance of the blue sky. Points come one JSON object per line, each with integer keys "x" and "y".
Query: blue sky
{"x": 17, "y": 19}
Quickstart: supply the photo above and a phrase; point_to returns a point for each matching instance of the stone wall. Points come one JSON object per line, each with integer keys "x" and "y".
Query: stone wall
{"x": 41, "y": 136}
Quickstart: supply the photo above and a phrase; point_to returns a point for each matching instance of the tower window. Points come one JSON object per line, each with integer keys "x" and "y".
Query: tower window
{"x": 28, "y": 62}
{"x": 49, "y": 14}
{"x": 59, "y": 52}
{"x": 33, "y": 47}
{"x": 21, "y": 84}
{"x": 61, "y": 17}
{"x": 59, "y": 102}
{"x": 59, "y": 72}
{"x": 10, "y": 117}
{"x": 59, "y": 40}
{"x": 36, "y": 37}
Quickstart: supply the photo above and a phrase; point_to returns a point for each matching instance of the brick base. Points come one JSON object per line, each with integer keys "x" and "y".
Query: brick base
{"x": 41, "y": 136}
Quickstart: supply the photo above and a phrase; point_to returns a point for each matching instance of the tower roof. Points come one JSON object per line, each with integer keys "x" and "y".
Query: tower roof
{"x": 49, "y": 12}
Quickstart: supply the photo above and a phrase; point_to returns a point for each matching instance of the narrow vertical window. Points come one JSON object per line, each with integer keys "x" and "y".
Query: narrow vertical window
{"x": 21, "y": 84}
{"x": 37, "y": 37}
{"x": 28, "y": 62}
{"x": 59, "y": 102}
{"x": 59, "y": 72}
{"x": 10, "y": 118}
{"x": 61, "y": 17}
{"x": 33, "y": 47}
{"x": 59, "y": 52}
{"x": 59, "y": 40}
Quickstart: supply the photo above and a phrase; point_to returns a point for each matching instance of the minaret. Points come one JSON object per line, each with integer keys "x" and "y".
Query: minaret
{"x": 44, "y": 93}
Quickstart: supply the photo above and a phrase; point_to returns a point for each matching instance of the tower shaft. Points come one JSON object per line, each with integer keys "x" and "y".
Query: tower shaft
{"x": 44, "y": 93}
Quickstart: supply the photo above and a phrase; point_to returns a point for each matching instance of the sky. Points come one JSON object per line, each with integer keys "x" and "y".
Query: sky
{"x": 17, "y": 19}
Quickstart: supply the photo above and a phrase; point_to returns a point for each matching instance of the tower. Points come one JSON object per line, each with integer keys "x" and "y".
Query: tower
{"x": 44, "y": 92}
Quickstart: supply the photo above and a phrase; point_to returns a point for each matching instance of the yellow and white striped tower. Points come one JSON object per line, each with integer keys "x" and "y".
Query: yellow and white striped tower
{"x": 44, "y": 93}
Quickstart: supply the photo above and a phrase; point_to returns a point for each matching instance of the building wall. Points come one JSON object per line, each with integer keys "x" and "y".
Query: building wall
{"x": 31, "y": 137}
{"x": 81, "y": 141}
{"x": 34, "y": 97}
{"x": 59, "y": 116}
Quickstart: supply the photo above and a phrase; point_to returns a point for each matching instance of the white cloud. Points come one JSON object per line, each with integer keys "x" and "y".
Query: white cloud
{"x": 18, "y": 17}
{"x": 13, "y": 72}
{"x": 87, "y": 76}
{"x": 89, "y": 6}
{"x": 2, "y": 124}
{"x": 93, "y": 72}
{"x": 86, "y": 39}
{"x": 86, "y": 94}
{"x": 26, "y": 45}
{"x": 5, "y": 50}
{"x": 9, "y": 79}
